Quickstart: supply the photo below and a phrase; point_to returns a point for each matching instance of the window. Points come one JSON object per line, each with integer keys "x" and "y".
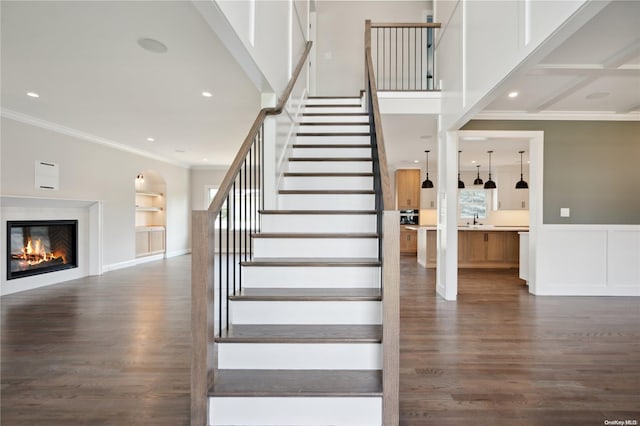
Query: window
{"x": 246, "y": 202}
{"x": 472, "y": 202}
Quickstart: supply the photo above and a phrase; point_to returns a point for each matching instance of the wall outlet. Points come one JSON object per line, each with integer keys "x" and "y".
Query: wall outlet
{"x": 565, "y": 212}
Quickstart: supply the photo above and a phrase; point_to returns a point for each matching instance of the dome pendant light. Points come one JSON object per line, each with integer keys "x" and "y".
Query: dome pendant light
{"x": 478, "y": 180}
{"x": 427, "y": 183}
{"x": 460, "y": 182}
{"x": 489, "y": 184}
{"x": 521, "y": 184}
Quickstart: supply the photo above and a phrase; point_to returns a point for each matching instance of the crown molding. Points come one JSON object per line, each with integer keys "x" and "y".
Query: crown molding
{"x": 557, "y": 115}
{"x": 54, "y": 127}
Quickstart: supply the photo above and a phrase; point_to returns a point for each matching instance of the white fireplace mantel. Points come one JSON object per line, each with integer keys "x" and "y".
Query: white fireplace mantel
{"x": 89, "y": 216}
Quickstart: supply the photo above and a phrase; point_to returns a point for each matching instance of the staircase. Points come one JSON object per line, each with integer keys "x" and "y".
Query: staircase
{"x": 304, "y": 345}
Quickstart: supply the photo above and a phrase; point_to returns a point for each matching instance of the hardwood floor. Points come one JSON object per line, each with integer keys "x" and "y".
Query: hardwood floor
{"x": 500, "y": 356}
{"x": 114, "y": 350}
{"x": 108, "y": 350}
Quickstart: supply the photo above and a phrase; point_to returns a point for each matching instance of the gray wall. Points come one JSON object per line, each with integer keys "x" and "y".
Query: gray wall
{"x": 592, "y": 167}
{"x": 89, "y": 171}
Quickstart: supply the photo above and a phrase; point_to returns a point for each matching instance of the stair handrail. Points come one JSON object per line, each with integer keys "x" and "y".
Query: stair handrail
{"x": 246, "y": 177}
{"x": 370, "y": 84}
{"x": 227, "y": 182}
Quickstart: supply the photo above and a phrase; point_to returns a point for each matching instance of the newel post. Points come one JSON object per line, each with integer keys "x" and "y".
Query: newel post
{"x": 202, "y": 316}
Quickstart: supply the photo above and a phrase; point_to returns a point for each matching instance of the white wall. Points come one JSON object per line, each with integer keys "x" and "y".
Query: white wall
{"x": 340, "y": 39}
{"x": 200, "y": 180}
{"x": 95, "y": 172}
{"x": 481, "y": 41}
{"x": 272, "y": 33}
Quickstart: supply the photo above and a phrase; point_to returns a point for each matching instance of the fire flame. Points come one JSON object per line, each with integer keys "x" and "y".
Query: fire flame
{"x": 35, "y": 253}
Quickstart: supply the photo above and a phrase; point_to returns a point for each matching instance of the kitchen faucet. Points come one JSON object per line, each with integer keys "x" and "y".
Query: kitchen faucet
{"x": 475, "y": 219}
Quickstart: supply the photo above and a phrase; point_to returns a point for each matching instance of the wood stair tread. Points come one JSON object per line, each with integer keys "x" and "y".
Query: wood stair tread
{"x": 333, "y": 105}
{"x": 308, "y": 294}
{"x": 312, "y": 261}
{"x": 330, "y": 146}
{"x": 297, "y": 383}
{"x": 321, "y": 159}
{"x": 315, "y": 235}
{"x": 335, "y": 123}
{"x": 327, "y": 174}
{"x": 259, "y": 333}
{"x": 326, "y": 191}
{"x": 341, "y": 134}
{"x": 318, "y": 212}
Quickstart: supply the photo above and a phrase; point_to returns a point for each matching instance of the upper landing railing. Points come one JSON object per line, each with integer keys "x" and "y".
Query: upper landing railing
{"x": 403, "y": 56}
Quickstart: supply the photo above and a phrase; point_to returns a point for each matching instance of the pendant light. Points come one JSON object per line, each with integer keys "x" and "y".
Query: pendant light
{"x": 427, "y": 183}
{"x": 521, "y": 184}
{"x": 460, "y": 182}
{"x": 489, "y": 184}
{"x": 478, "y": 180}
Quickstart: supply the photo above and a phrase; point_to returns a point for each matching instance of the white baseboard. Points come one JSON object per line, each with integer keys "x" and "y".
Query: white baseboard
{"x": 175, "y": 253}
{"x": 119, "y": 265}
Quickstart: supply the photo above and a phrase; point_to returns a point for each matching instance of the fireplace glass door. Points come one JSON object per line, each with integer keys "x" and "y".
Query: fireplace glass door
{"x": 42, "y": 246}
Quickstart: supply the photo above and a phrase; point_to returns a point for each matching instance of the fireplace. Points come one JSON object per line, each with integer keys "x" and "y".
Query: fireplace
{"x": 40, "y": 246}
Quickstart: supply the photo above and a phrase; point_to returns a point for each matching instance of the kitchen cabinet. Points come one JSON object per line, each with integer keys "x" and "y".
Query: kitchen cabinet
{"x": 432, "y": 250}
{"x": 488, "y": 249}
{"x": 407, "y": 189}
{"x": 408, "y": 240}
{"x": 510, "y": 198}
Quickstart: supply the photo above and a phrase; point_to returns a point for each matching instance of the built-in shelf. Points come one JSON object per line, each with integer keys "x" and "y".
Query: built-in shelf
{"x": 148, "y": 209}
{"x": 150, "y": 194}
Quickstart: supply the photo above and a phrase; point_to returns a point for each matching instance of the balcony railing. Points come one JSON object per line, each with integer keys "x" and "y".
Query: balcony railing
{"x": 403, "y": 56}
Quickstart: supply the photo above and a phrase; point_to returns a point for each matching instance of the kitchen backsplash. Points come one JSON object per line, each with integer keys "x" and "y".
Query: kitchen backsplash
{"x": 496, "y": 217}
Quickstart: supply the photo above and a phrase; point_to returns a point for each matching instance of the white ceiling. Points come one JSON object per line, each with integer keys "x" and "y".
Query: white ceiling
{"x": 94, "y": 80}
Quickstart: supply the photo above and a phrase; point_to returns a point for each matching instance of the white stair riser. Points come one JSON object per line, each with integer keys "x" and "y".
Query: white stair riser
{"x": 329, "y": 182}
{"x": 315, "y": 247}
{"x": 327, "y": 312}
{"x": 332, "y": 110}
{"x": 331, "y": 166}
{"x": 319, "y": 223}
{"x": 347, "y": 411}
{"x": 301, "y": 356}
{"x": 332, "y": 140}
{"x": 310, "y": 276}
{"x": 334, "y": 119}
{"x": 326, "y": 201}
{"x": 333, "y": 101}
{"x": 351, "y": 128}
{"x": 364, "y": 152}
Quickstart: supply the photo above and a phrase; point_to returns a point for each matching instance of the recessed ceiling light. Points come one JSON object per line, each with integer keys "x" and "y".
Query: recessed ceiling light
{"x": 152, "y": 45}
{"x": 598, "y": 95}
{"x": 33, "y": 94}
{"x": 151, "y": 139}
{"x": 416, "y": 161}
{"x": 205, "y": 159}
{"x": 425, "y": 137}
{"x": 474, "y": 138}
{"x": 207, "y": 94}
{"x": 180, "y": 150}
{"x": 473, "y": 161}
{"x": 513, "y": 94}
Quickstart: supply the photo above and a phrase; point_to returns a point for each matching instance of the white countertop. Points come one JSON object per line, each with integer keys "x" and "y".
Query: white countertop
{"x": 464, "y": 228}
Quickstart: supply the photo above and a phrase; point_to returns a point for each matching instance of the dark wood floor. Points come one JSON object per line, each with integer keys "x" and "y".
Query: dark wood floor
{"x": 114, "y": 350}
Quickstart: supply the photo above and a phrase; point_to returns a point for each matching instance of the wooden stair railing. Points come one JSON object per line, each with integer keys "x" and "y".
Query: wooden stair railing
{"x": 232, "y": 217}
{"x": 389, "y": 229}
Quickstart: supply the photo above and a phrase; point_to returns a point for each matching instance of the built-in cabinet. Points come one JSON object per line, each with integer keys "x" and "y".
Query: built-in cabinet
{"x": 150, "y": 218}
{"x": 149, "y": 240}
{"x": 488, "y": 249}
{"x": 407, "y": 189}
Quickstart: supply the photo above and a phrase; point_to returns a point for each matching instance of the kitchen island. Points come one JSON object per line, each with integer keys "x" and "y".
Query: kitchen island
{"x": 478, "y": 247}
